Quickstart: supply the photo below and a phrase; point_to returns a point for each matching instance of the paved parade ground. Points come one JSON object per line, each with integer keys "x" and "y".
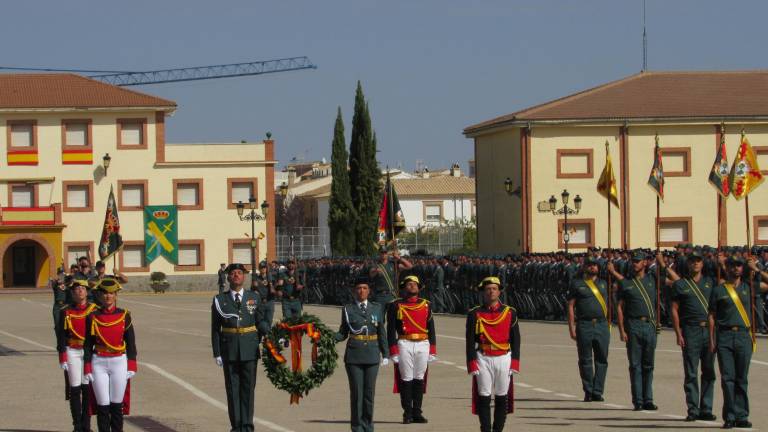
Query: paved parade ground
{"x": 179, "y": 387}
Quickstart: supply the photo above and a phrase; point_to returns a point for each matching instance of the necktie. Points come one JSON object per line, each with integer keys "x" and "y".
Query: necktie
{"x": 362, "y": 307}
{"x": 237, "y": 300}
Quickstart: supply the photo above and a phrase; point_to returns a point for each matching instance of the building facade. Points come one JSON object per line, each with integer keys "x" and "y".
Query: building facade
{"x": 560, "y": 145}
{"x": 54, "y": 184}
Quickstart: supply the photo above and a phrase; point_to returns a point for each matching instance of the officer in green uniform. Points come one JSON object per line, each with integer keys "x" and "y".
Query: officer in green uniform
{"x": 362, "y": 322}
{"x": 730, "y": 336}
{"x": 262, "y": 284}
{"x": 289, "y": 288}
{"x": 382, "y": 275}
{"x": 588, "y": 326}
{"x": 690, "y": 306}
{"x": 236, "y": 328}
{"x": 638, "y": 325}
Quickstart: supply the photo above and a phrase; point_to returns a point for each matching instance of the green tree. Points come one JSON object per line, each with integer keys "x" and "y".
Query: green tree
{"x": 364, "y": 176}
{"x": 341, "y": 214}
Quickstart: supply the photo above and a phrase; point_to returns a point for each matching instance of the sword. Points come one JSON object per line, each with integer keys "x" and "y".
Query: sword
{"x": 166, "y": 228}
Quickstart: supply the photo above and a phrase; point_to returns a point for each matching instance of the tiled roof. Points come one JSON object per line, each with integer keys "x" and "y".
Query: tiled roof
{"x": 69, "y": 91}
{"x": 438, "y": 186}
{"x": 655, "y": 95}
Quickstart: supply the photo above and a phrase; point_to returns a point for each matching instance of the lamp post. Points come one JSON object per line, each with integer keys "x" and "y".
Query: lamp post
{"x": 253, "y": 217}
{"x": 565, "y": 211}
{"x": 106, "y": 160}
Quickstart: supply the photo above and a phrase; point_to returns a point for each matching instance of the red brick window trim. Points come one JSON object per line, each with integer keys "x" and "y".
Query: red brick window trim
{"x": 575, "y": 227}
{"x": 130, "y": 187}
{"x": 133, "y": 247}
{"x": 77, "y": 125}
{"x": 69, "y": 246}
{"x": 586, "y": 153}
{"x": 233, "y": 183}
{"x": 135, "y": 128}
{"x": 677, "y": 152}
{"x": 182, "y": 187}
{"x": 68, "y": 205}
{"x": 199, "y": 244}
{"x": 241, "y": 243}
{"x": 668, "y": 228}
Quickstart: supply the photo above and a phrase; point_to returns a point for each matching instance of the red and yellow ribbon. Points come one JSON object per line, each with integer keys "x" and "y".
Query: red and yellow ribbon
{"x": 296, "y": 333}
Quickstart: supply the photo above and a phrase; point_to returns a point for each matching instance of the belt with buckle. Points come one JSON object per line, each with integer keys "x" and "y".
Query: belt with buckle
{"x": 732, "y": 328}
{"x": 238, "y": 330}
{"x": 642, "y": 318}
{"x": 365, "y": 337}
{"x": 104, "y": 350}
{"x": 414, "y": 337}
{"x": 75, "y": 343}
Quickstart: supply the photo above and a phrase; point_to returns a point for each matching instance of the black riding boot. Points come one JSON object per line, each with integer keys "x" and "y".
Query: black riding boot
{"x": 499, "y": 413}
{"x": 406, "y": 400}
{"x": 85, "y": 418}
{"x": 418, "y": 397}
{"x": 116, "y": 417}
{"x": 484, "y": 413}
{"x": 102, "y": 417}
{"x": 76, "y": 408}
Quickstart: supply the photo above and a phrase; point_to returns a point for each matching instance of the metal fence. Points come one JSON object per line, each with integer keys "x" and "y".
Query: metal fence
{"x": 309, "y": 242}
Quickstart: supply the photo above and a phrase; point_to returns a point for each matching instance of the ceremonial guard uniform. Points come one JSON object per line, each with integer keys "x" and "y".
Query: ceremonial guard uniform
{"x": 362, "y": 323}
{"x": 690, "y": 306}
{"x": 110, "y": 357}
{"x": 70, "y": 336}
{"x": 588, "y": 325}
{"x": 290, "y": 287}
{"x": 263, "y": 285}
{"x": 412, "y": 345}
{"x": 493, "y": 355}
{"x": 236, "y": 328}
{"x": 638, "y": 324}
{"x": 730, "y": 335}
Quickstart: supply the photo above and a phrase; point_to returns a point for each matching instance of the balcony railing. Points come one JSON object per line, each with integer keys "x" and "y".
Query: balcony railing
{"x": 30, "y": 215}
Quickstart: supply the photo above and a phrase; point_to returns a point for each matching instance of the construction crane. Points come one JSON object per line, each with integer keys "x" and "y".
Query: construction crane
{"x": 121, "y": 78}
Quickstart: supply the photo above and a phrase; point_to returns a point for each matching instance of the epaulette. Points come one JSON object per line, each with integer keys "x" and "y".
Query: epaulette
{"x": 64, "y": 307}
{"x": 474, "y": 308}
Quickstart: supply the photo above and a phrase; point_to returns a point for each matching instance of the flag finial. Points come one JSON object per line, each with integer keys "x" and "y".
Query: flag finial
{"x": 657, "y": 138}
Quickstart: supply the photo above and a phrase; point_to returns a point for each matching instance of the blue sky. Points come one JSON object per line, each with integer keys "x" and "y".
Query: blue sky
{"x": 428, "y": 67}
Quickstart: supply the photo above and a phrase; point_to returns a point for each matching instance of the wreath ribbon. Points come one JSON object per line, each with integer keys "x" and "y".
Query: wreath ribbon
{"x": 296, "y": 333}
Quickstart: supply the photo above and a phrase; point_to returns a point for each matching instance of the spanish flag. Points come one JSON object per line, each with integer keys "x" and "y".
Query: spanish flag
{"x": 745, "y": 173}
{"x": 606, "y": 185}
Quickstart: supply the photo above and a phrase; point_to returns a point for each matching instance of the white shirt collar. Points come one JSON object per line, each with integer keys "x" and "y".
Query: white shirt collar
{"x": 363, "y": 303}
{"x": 236, "y": 292}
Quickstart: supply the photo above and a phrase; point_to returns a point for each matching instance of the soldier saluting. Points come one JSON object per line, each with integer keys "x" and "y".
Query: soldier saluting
{"x": 412, "y": 345}
{"x": 236, "y": 328}
{"x": 588, "y": 326}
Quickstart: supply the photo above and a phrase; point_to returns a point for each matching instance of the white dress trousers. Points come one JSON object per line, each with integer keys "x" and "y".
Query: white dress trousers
{"x": 494, "y": 374}
{"x": 414, "y": 356}
{"x": 75, "y": 367}
{"x": 110, "y": 377}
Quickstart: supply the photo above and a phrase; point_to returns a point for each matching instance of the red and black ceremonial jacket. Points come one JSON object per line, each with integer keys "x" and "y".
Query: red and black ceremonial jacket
{"x": 109, "y": 333}
{"x": 70, "y": 329}
{"x": 493, "y": 330}
{"x": 410, "y": 319}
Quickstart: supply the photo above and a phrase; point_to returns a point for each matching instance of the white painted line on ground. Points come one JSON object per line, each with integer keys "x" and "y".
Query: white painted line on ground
{"x": 447, "y": 363}
{"x": 183, "y": 332}
{"x": 541, "y": 390}
{"x": 187, "y": 386}
{"x": 760, "y": 362}
{"x": 707, "y": 422}
{"x": 523, "y": 385}
{"x": 565, "y": 395}
{"x": 610, "y": 405}
{"x": 674, "y": 416}
{"x": 36, "y": 303}
{"x": 450, "y": 337}
{"x": 461, "y": 368}
{"x": 163, "y": 307}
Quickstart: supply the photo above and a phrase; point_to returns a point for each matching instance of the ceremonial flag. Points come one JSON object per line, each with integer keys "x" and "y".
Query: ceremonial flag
{"x": 656, "y": 179}
{"x": 745, "y": 174}
{"x": 391, "y": 219}
{"x": 161, "y": 234}
{"x": 606, "y": 185}
{"x": 111, "y": 240}
{"x": 718, "y": 176}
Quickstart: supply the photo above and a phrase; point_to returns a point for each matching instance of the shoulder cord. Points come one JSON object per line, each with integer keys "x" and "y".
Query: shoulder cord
{"x": 218, "y": 309}
{"x": 362, "y": 329}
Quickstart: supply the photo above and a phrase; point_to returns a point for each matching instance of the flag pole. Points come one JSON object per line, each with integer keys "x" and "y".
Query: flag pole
{"x": 658, "y": 266}
{"x": 749, "y": 256}
{"x": 391, "y": 223}
{"x": 610, "y": 282}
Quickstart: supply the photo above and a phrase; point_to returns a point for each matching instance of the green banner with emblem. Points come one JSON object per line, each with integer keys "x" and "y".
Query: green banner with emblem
{"x": 161, "y": 233}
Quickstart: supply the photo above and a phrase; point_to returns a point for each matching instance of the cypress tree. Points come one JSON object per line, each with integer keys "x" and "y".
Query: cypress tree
{"x": 341, "y": 213}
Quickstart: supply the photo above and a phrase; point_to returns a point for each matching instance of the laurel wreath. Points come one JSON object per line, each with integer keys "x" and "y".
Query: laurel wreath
{"x": 300, "y": 382}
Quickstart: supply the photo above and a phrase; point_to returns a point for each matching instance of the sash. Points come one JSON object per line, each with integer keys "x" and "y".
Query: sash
{"x": 699, "y": 295}
{"x": 646, "y": 298}
{"x": 596, "y": 292}
{"x": 740, "y": 307}
{"x": 387, "y": 279}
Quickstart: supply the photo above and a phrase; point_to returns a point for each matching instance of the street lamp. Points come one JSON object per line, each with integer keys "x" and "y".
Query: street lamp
{"x": 508, "y": 187}
{"x": 565, "y": 211}
{"x": 253, "y": 217}
{"x": 106, "y": 160}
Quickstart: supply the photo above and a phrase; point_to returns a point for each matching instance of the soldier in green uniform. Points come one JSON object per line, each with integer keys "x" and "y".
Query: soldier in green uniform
{"x": 236, "y": 328}
{"x": 588, "y": 326}
{"x": 262, "y": 284}
{"x": 638, "y": 323}
{"x": 690, "y": 306}
{"x": 382, "y": 275}
{"x": 730, "y": 336}
{"x": 289, "y": 289}
{"x": 363, "y": 323}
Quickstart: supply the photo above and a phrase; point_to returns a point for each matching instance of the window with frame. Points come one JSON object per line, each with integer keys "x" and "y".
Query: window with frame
{"x": 78, "y": 195}
{"x": 677, "y": 161}
{"x": 23, "y": 195}
{"x": 761, "y": 230}
{"x": 132, "y": 194}
{"x": 76, "y": 134}
{"x": 433, "y": 212}
{"x": 580, "y": 233}
{"x": 674, "y": 230}
{"x": 75, "y": 251}
{"x": 191, "y": 255}
{"x": 132, "y": 133}
{"x": 240, "y": 189}
{"x": 241, "y": 253}
{"x": 188, "y": 194}
{"x": 132, "y": 257}
{"x": 575, "y": 163}
{"x": 21, "y": 135}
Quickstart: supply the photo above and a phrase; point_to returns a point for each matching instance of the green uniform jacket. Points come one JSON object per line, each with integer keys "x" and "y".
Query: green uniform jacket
{"x": 725, "y": 311}
{"x": 356, "y": 323}
{"x": 639, "y": 297}
{"x": 233, "y": 346}
{"x": 587, "y": 305}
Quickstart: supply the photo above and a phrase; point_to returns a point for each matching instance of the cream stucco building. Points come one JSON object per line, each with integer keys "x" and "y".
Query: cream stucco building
{"x": 561, "y": 145}
{"x": 56, "y": 129}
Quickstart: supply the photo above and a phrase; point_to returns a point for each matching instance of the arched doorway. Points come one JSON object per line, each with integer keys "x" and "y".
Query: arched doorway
{"x": 27, "y": 260}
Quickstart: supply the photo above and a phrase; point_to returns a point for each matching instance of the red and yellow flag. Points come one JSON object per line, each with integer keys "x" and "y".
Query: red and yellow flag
{"x": 745, "y": 173}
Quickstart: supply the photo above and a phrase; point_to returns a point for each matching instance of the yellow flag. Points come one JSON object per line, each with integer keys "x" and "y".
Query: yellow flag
{"x": 745, "y": 174}
{"x": 606, "y": 185}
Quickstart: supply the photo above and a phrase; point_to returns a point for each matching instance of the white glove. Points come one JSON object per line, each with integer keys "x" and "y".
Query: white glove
{"x": 89, "y": 378}
{"x": 64, "y": 366}
{"x": 130, "y": 374}
{"x": 432, "y": 358}
{"x": 513, "y": 372}
{"x": 395, "y": 359}
{"x": 219, "y": 361}
{"x": 475, "y": 373}
{"x": 283, "y": 342}
{"x": 384, "y": 361}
